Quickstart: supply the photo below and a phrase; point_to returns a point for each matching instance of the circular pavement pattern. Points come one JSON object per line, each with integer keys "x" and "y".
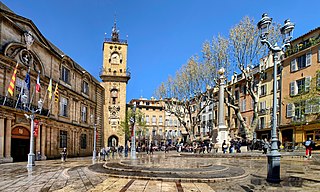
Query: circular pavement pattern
{"x": 172, "y": 168}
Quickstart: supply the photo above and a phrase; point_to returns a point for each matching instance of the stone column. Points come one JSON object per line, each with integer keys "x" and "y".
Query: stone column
{"x": 48, "y": 139}
{"x": 222, "y": 128}
{"x": 8, "y": 139}
{"x": 1, "y": 137}
{"x": 43, "y": 141}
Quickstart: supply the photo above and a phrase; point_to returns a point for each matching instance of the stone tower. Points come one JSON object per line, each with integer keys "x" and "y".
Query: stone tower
{"x": 114, "y": 76}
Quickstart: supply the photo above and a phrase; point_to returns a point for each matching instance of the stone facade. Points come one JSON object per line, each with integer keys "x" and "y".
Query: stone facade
{"x": 160, "y": 126}
{"x": 65, "y": 123}
{"x": 114, "y": 77}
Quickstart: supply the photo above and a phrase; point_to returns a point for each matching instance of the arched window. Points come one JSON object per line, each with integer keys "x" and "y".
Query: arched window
{"x": 114, "y": 96}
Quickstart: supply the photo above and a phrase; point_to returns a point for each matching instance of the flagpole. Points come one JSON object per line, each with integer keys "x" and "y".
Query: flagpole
{"x": 44, "y": 99}
{"x": 31, "y": 99}
{"x": 5, "y": 98}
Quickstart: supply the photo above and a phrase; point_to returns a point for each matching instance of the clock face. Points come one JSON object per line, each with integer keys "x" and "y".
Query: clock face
{"x": 115, "y": 58}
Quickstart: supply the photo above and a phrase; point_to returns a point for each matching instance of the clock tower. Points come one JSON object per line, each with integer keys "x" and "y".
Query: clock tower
{"x": 114, "y": 76}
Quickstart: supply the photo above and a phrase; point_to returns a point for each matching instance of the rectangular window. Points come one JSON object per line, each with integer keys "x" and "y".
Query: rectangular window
{"x": 63, "y": 139}
{"x": 154, "y": 120}
{"x": 85, "y": 88}
{"x": 147, "y": 119}
{"x": 160, "y": 120}
{"x": 262, "y": 105}
{"x": 63, "y": 107}
{"x": 84, "y": 114}
{"x": 301, "y": 62}
{"x": 262, "y": 123}
{"x": 83, "y": 141}
{"x": 236, "y": 95}
{"x": 65, "y": 75}
{"x": 263, "y": 90}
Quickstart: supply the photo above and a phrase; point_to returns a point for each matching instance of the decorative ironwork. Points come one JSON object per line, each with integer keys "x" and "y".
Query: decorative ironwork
{"x": 120, "y": 41}
{"x": 12, "y": 102}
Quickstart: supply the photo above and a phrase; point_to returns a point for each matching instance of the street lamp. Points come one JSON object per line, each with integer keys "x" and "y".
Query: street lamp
{"x": 286, "y": 31}
{"x": 94, "y": 153}
{"x": 133, "y": 133}
{"x": 24, "y": 100}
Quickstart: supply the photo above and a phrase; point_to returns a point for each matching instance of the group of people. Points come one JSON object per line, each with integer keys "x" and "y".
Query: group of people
{"x": 234, "y": 146}
{"x": 111, "y": 151}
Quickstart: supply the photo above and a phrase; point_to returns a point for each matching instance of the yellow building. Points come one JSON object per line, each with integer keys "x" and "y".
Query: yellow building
{"x": 114, "y": 77}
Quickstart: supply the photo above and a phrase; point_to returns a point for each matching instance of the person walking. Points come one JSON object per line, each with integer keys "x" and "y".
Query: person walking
{"x": 308, "y": 144}
{"x": 64, "y": 154}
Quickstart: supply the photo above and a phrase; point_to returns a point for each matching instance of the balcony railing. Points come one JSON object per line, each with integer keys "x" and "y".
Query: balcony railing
{"x": 121, "y": 41}
{"x": 104, "y": 71}
{"x": 12, "y": 104}
{"x": 301, "y": 46}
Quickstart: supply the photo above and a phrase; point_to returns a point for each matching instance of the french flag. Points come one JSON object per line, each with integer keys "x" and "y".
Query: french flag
{"x": 38, "y": 86}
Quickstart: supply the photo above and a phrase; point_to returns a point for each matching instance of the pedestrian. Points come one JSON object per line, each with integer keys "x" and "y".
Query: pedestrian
{"x": 126, "y": 149}
{"x": 231, "y": 147}
{"x": 308, "y": 144}
{"x": 224, "y": 146}
{"x": 151, "y": 148}
{"x": 64, "y": 154}
{"x": 239, "y": 146}
{"x": 104, "y": 152}
{"x": 266, "y": 146}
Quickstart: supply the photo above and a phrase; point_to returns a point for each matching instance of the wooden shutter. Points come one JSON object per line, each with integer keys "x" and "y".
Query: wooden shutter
{"x": 290, "y": 110}
{"x": 292, "y": 88}
{"x": 308, "y": 59}
{"x": 307, "y": 108}
{"x": 293, "y": 65}
{"x": 307, "y": 83}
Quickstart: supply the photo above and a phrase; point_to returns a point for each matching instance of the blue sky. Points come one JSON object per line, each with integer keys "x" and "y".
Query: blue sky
{"x": 162, "y": 34}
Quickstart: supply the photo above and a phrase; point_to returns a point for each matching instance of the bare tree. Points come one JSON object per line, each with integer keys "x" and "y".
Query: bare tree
{"x": 246, "y": 51}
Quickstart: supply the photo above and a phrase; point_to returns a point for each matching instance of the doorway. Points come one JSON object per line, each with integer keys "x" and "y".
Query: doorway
{"x": 20, "y": 144}
{"x": 20, "y": 149}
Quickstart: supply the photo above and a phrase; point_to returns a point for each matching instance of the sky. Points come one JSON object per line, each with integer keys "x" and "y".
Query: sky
{"x": 162, "y": 34}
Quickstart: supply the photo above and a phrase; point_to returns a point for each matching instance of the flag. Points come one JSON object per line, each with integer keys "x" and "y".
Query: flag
{"x": 27, "y": 81}
{"x": 13, "y": 80}
{"x": 50, "y": 89}
{"x": 36, "y": 128}
{"x": 56, "y": 93}
{"x": 38, "y": 86}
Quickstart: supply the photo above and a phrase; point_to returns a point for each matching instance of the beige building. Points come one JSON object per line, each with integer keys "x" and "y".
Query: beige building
{"x": 65, "y": 123}
{"x": 161, "y": 127}
{"x": 114, "y": 77}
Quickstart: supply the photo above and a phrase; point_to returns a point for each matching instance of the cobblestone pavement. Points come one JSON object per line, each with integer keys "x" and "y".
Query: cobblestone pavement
{"x": 80, "y": 174}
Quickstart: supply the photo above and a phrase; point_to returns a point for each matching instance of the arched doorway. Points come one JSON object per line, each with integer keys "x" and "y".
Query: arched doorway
{"x": 113, "y": 141}
{"x": 20, "y": 144}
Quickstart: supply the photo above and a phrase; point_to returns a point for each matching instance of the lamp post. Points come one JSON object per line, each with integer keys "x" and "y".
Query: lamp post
{"x": 24, "y": 99}
{"x": 286, "y": 31}
{"x": 94, "y": 153}
{"x": 133, "y": 133}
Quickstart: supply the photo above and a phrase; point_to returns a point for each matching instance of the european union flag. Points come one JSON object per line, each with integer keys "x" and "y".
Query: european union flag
{"x": 27, "y": 81}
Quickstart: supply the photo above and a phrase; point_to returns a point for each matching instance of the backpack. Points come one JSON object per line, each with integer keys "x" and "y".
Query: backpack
{"x": 307, "y": 143}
